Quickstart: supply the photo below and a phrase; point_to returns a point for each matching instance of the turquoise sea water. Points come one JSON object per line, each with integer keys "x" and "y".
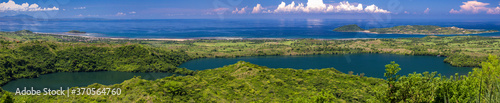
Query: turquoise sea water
{"x": 240, "y": 28}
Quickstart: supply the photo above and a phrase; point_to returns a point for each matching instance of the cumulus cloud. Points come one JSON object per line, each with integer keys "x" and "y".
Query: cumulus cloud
{"x": 132, "y": 12}
{"x": 426, "y": 11}
{"x": 241, "y": 11}
{"x": 375, "y": 9}
{"x": 289, "y": 8}
{"x": 317, "y": 6}
{"x": 258, "y": 9}
{"x": 12, "y": 6}
{"x": 345, "y": 7}
{"x": 474, "y": 7}
{"x": 80, "y": 7}
{"x": 494, "y": 11}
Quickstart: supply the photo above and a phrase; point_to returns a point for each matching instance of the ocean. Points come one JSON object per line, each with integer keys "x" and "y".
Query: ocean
{"x": 234, "y": 28}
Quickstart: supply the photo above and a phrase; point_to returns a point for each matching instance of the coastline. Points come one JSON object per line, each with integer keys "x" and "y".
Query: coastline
{"x": 88, "y": 35}
{"x": 369, "y": 32}
{"x": 115, "y": 38}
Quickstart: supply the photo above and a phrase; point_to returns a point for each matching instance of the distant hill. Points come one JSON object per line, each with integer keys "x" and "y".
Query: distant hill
{"x": 413, "y": 29}
{"x": 349, "y": 28}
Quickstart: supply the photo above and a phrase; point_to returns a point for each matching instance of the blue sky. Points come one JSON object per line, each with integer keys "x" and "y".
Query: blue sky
{"x": 179, "y": 9}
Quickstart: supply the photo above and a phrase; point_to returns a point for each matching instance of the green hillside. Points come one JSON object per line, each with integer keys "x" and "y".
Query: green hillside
{"x": 427, "y": 29}
{"x": 349, "y": 28}
{"x": 240, "y": 82}
{"x": 245, "y": 82}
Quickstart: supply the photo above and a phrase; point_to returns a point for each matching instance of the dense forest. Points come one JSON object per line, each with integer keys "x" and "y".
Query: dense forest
{"x": 246, "y": 82}
{"x": 33, "y": 58}
{"x": 24, "y": 54}
{"x": 349, "y": 28}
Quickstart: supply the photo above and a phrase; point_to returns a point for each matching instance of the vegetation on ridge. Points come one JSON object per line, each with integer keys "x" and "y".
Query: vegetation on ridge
{"x": 240, "y": 82}
{"x": 349, "y": 28}
{"x": 246, "y": 82}
{"x": 461, "y": 51}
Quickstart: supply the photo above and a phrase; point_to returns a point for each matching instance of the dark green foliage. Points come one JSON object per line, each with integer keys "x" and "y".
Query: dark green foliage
{"x": 38, "y": 58}
{"x": 349, "y": 28}
{"x": 23, "y": 31}
{"x": 240, "y": 82}
{"x": 461, "y": 60}
{"x": 245, "y": 82}
{"x": 481, "y": 85}
{"x": 6, "y": 98}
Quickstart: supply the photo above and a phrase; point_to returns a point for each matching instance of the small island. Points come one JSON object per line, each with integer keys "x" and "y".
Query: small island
{"x": 76, "y": 31}
{"x": 23, "y": 31}
{"x": 413, "y": 29}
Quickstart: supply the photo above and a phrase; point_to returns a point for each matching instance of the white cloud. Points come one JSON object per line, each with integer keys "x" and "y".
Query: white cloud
{"x": 317, "y": 6}
{"x": 375, "y": 9}
{"x": 242, "y": 11}
{"x": 120, "y": 14}
{"x": 474, "y": 7}
{"x": 494, "y": 11}
{"x": 345, "y": 7}
{"x": 289, "y": 8}
{"x": 80, "y": 8}
{"x": 132, "y": 12}
{"x": 12, "y": 6}
{"x": 258, "y": 9}
{"x": 426, "y": 11}
{"x": 406, "y": 12}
